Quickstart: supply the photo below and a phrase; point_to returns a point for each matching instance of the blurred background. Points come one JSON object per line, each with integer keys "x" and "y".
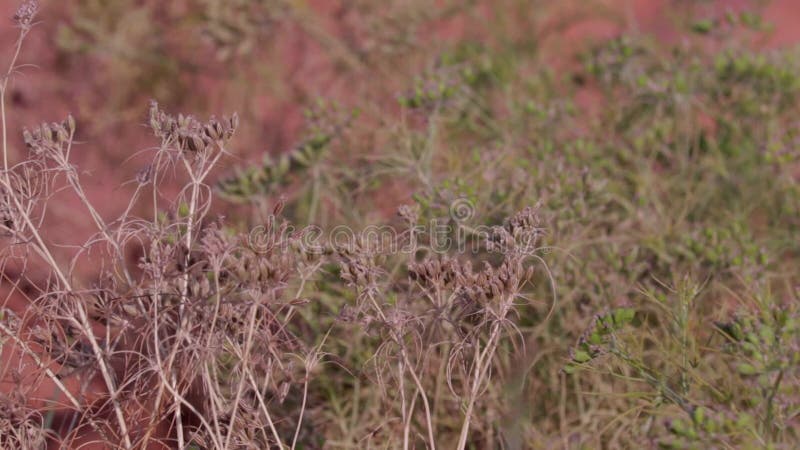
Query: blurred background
{"x": 269, "y": 60}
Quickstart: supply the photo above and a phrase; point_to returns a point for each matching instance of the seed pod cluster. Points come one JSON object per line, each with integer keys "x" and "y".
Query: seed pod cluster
{"x": 518, "y": 234}
{"x": 357, "y": 265}
{"x": 26, "y": 13}
{"x": 221, "y": 130}
{"x": 49, "y": 139}
{"x": 525, "y": 221}
{"x": 500, "y": 240}
{"x": 266, "y": 266}
{"x": 439, "y": 272}
{"x": 471, "y": 286}
{"x": 189, "y": 134}
{"x": 481, "y": 287}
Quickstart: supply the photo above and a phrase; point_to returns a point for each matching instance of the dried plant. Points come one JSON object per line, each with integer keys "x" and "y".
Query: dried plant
{"x": 448, "y": 314}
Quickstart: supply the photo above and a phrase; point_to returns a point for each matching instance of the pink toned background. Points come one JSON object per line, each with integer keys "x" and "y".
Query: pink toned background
{"x": 300, "y": 70}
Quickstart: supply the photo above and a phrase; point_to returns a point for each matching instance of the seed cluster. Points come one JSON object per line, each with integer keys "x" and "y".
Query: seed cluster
{"x": 50, "y": 139}
{"x": 25, "y": 13}
{"x": 188, "y": 133}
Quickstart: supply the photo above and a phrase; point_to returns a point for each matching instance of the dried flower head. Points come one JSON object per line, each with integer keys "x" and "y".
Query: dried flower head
{"x": 357, "y": 263}
{"x": 188, "y": 133}
{"x": 25, "y": 13}
{"x": 49, "y": 139}
{"x": 519, "y": 233}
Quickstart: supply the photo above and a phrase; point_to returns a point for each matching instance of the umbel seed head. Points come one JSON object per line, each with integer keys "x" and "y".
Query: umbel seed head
{"x": 187, "y": 132}
{"x": 25, "y": 13}
{"x": 49, "y": 139}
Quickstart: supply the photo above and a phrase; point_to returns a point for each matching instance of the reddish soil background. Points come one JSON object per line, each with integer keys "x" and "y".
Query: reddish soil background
{"x": 300, "y": 69}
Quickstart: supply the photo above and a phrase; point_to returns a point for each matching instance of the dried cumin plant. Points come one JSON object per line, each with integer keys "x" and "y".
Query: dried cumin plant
{"x": 193, "y": 336}
{"x": 214, "y": 313}
{"x": 189, "y": 343}
{"x": 443, "y": 324}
